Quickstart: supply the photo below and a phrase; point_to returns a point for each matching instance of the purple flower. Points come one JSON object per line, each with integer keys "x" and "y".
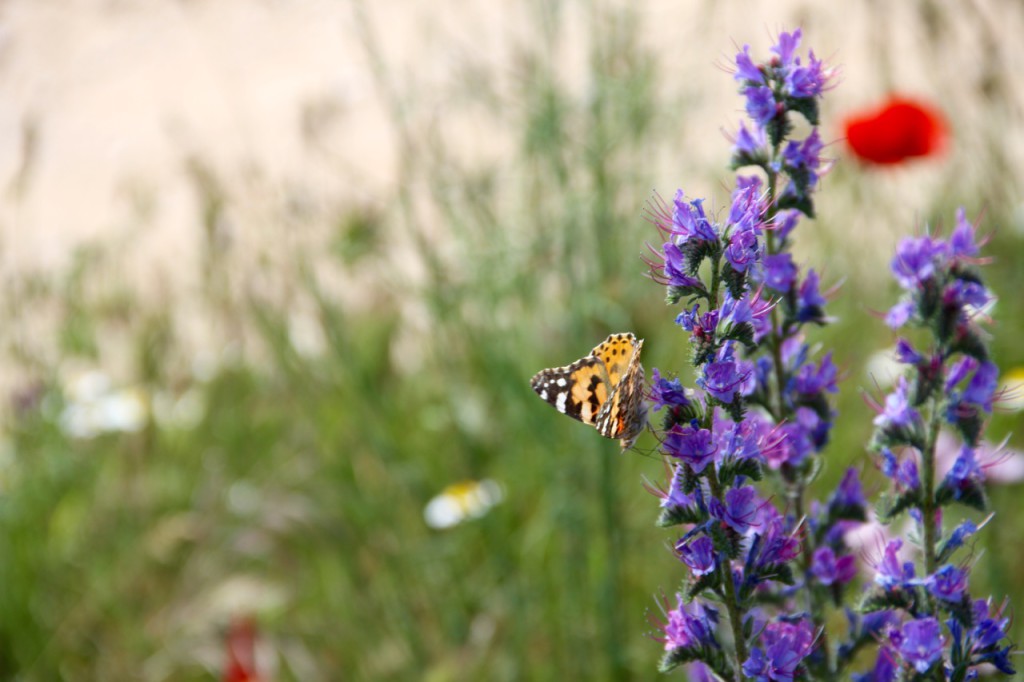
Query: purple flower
{"x": 849, "y": 494}
{"x": 746, "y": 70}
{"x": 734, "y": 312}
{"x": 776, "y": 545}
{"x": 690, "y": 222}
{"x": 779, "y": 272}
{"x": 794, "y": 443}
{"x": 916, "y": 260}
{"x": 675, "y": 496}
{"x": 962, "y": 293}
{"x": 920, "y": 643}
{"x": 698, "y": 555}
{"x": 724, "y": 378}
{"x": 897, "y": 410}
{"x": 903, "y": 473}
{"x": 749, "y": 142}
{"x": 810, "y": 302}
{"x": 982, "y": 387}
{"x": 899, "y": 314}
{"x": 889, "y": 572}
{"x": 812, "y": 379}
{"x": 761, "y": 105}
{"x": 748, "y": 205}
{"x": 906, "y": 354}
{"x": 978, "y": 393}
{"x": 698, "y": 672}
{"x": 785, "y": 222}
{"x": 689, "y": 625}
{"x": 786, "y": 47}
{"x": 760, "y": 315}
{"x": 740, "y": 509}
{"x": 675, "y": 268}
{"x": 961, "y": 242}
{"x": 964, "y": 473}
{"x": 743, "y": 250}
{"x": 878, "y": 622}
{"x": 783, "y": 647}
{"x": 667, "y": 392}
{"x": 990, "y": 628}
{"x": 960, "y": 534}
{"x": 806, "y": 154}
{"x": 948, "y": 584}
{"x": 830, "y": 569}
{"x": 807, "y": 81}
{"x": 959, "y": 371}
{"x": 736, "y": 440}
{"x": 691, "y": 445}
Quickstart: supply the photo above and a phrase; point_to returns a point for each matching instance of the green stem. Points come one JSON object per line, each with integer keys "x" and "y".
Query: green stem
{"x": 928, "y": 488}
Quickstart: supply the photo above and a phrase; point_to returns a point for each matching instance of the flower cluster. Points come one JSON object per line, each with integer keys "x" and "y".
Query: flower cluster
{"x": 951, "y": 382}
{"x": 765, "y": 567}
{"x": 763, "y": 401}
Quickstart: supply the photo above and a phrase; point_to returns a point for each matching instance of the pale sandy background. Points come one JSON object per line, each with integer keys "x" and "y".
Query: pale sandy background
{"x": 117, "y": 116}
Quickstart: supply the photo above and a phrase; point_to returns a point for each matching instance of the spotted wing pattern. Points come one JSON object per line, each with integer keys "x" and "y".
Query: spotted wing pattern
{"x": 604, "y": 389}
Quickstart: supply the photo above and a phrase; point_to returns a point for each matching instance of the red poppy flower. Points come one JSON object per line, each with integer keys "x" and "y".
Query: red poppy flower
{"x": 898, "y": 130}
{"x": 241, "y": 651}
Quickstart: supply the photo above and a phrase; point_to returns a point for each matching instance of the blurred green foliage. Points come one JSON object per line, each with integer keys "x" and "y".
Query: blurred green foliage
{"x": 286, "y": 478}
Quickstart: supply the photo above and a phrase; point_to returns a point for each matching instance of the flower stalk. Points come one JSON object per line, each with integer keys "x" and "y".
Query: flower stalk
{"x": 760, "y": 414}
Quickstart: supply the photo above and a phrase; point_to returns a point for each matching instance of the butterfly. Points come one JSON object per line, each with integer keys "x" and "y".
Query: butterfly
{"x": 604, "y": 389}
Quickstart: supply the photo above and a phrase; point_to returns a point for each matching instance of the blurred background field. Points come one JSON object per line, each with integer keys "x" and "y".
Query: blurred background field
{"x": 276, "y": 273}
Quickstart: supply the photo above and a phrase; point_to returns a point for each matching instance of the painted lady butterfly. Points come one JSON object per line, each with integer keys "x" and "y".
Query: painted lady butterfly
{"x": 605, "y": 389}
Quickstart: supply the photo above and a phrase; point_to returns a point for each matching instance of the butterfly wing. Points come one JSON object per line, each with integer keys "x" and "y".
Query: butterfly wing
{"x": 623, "y": 415}
{"x": 616, "y": 352}
{"x": 578, "y": 390}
